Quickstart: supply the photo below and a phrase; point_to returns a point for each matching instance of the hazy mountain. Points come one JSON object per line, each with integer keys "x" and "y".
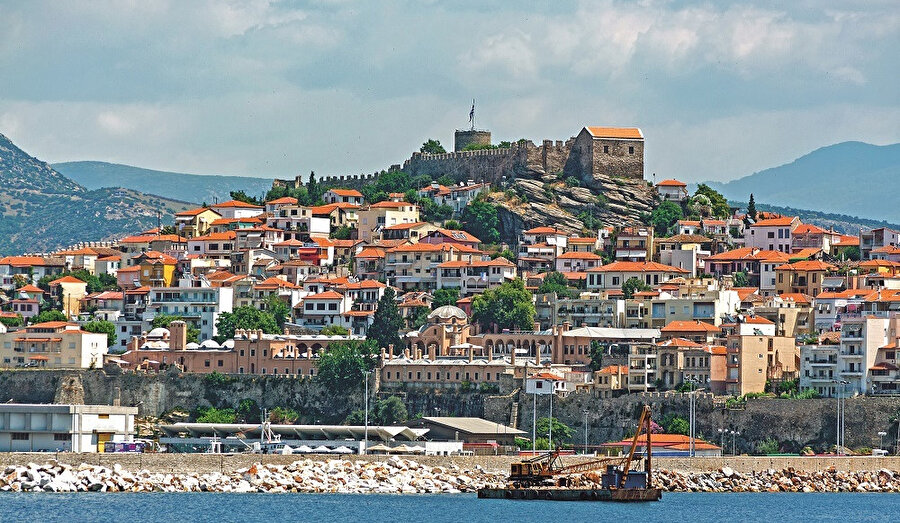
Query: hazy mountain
{"x": 197, "y": 188}
{"x": 40, "y": 209}
{"x": 852, "y": 178}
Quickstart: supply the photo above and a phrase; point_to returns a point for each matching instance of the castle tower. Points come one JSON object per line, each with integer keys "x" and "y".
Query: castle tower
{"x": 178, "y": 335}
{"x": 470, "y": 136}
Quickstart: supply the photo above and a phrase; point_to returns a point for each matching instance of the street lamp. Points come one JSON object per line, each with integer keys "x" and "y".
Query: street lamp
{"x": 839, "y": 423}
{"x": 585, "y": 430}
{"x": 366, "y": 437}
{"x": 722, "y": 433}
{"x": 733, "y": 444}
{"x": 881, "y": 434}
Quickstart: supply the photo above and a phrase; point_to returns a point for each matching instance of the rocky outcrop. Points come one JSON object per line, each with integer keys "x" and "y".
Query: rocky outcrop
{"x": 785, "y": 480}
{"x": 394, "y": 476}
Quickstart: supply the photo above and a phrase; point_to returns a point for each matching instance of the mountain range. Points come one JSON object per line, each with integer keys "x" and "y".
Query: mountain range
{"x": 198, "y": 188}
{"x": 42, "y": 210}
{"x": 852, "y": 178}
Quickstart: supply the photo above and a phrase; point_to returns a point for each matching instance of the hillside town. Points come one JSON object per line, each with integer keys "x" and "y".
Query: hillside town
{"x": 698, "y": 295}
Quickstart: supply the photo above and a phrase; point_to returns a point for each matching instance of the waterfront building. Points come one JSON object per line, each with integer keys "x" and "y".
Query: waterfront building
{"x": 66, "y": 428}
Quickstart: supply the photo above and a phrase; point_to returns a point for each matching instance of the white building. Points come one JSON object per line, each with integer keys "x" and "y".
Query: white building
{"x": 773, "y": 234}
{"x": 70, "y": 428}
{"x": 819, "y": 368}
{"x": 199, "y": 306}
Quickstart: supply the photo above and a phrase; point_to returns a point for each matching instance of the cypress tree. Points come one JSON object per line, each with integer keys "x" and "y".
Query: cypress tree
{"x": 386, "y": 324}
{"x": 751, "y": 208}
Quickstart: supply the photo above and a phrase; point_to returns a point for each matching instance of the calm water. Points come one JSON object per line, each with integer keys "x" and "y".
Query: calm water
{"x": 242, "y": 508}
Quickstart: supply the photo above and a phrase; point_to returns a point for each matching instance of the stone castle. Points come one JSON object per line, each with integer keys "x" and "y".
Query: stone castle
{"x": 596, "y": 153}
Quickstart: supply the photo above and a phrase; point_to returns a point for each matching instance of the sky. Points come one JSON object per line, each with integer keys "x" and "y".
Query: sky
{"x": 275, "y": 89}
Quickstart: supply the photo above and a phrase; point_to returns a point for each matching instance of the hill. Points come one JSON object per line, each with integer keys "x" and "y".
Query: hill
{"x": 196, "y": 187}
{"x": 850, "y": 178}
{"x": 41, "y": 210}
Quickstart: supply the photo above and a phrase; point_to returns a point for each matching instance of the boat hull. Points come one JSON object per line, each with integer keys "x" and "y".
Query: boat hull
{"x": 565, "y": 494}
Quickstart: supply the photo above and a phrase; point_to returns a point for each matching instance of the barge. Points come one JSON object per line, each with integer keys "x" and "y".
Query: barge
{"x": 544, "y": 477}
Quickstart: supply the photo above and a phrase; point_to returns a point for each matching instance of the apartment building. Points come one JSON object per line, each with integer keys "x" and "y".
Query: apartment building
{"x": 773, "y": 234}
{"x": 53, "y": 345}
{"x": 634, "y": 244}
{"x": 614, "y": 275}
{"x": 373, "y": 218}
{"x": 474, "y": 277}
{"x": 803, "y": 277}
{"x": 199, "y": 306}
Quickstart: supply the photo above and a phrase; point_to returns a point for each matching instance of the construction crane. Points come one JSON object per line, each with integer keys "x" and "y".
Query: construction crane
{"x": 548, "y": 469}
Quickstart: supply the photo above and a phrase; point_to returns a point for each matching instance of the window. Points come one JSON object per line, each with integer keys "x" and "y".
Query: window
{"x": 20, "y": 436}
{"x": 605, "y": 149}
{"x": 102, "y": 416}
{"x": 221, "y": 363}
{"x": 62, "y": 436}
{"x": 630, "y": 150}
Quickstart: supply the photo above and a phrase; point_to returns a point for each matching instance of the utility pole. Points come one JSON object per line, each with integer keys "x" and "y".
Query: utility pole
{"x": 366, "y": 437}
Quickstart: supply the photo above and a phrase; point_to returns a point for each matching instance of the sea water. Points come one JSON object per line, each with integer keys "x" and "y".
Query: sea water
{"x": 466, "y": 508}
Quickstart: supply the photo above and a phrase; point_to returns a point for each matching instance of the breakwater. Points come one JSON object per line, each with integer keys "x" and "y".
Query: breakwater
{"x": 396, "y": 475}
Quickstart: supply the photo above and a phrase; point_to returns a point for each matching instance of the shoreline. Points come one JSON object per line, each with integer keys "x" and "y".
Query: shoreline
{"x": 397, "y": 475}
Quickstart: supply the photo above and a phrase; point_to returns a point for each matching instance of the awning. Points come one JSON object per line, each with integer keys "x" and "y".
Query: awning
{"x": 119, "y": 361}
{"x": 39, "y": 358}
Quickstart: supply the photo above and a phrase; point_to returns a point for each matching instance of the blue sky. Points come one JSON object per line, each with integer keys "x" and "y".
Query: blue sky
{"x": 265, "y": 88}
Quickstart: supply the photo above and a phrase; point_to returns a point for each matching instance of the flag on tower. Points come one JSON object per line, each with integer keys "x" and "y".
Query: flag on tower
{"x": 472, "y": 112}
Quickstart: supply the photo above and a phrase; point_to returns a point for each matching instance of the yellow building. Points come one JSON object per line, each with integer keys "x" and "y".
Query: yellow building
{"x": 372, "y": 219}
{"x": 751, "y": 360}
{"x": 195, "y": 222}
{"x": 803, "y": 277}
{"x": 68, "y": 292}
{"x": 53, "y": 344}
{"x": 156, "y": 269}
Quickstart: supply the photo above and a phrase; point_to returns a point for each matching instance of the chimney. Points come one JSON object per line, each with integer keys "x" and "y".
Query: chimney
{"x": 406, "y": 353}
{"x": 383, "y": 354}
{"x": 537, "y": 326}
{"x": 177, "y": 335}
{"x": 418, "y": 353}
{"x": 566, "y": 326}
{"x": 471, "y": 353}
{"x": 391, "y": 348}
{"x": 512, "y": 358}
{"x": 432, "y": 352}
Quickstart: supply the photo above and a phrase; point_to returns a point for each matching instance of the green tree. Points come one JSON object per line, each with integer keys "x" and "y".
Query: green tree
{"x": 104, "y": 327}
{"x": 851, "y": 253}
{"x": 751, "y": 208}
{"x": 12, "y": 321}
{"x": 767, "y": 447}
{"x": 664, "y": 216}
{"x": 342, "y": 233}
{"x": 214, "y": 415}
{"x": 561, "y": 431}
{"x": 343, "y": 366}
{"x": 719, "y": 203}
{"x": 283, "y": 416}
{"x": 633, "y": 285}
{"x": 279, "y": 310}
{"x": 676, "y": 425}
{"x": 432, "y": 147}
{"x": 49, "y": 315}
{"x": 445, "y": 297}
{"x": 453, "y": 225}
{"x": 505, "y": 253}
{"x": 334, "y": 330}
{"x": 739, "y": 279}
{"x": 419, "y": 317}
{"x": 387, "y": 322}
{"x": 555, "y": 282}
{"x": 391, "y": 411}
{"x": 508, "y": 306}
{"x": 481, "y": 219}
{"x": 597, "y": 353}
{"x": 245, "y": 317}
{"x": 248, "y": 411}
{"x": 241, "y": 196}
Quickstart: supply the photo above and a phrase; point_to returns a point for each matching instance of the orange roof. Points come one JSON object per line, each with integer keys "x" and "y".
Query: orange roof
{"x": 215, "y": 236}
{"x": 228, "y": 221}
{"x": 50, "y": 325}
{"x": 628, "y": 133}
{"x": 293, "y": 242}
{"x": 808, "y": 228}
{"x": 273, "y": 282}
{"x": 543, "y": 230}
{"x": 363, "y": 284}
{"x": 671, "y": 183}
{"x": 546, "y": 376}
{"x": 572, "y": 255}
{"x": 192, "y": 212}
{"x": 806, "y": 253}
{"x": 689, "y": 326}
{"x": 346, "y": 192}
{"x": 614, "y": 369}
{"x": 884, "y": 295}
{"x": 577, "y": 239}
{"x": 371, "y": 252}
{"x": 66, "y": 279}
{"x": 806, "y": 265}
{"x": 110, "y": 258}
{"x": 327, "y": 295}
{"x": 234, "y": 204}
{"x": 625, "y": 266}
{"x": 284, "y": 200}
{"x": 330, "y": 207}
{"x": 744, "y": 292}
{"x": 717, "y": 349}
{"x": 29, "y": 288}
{"x": 847, "y": 240}
{"x": 757, "y": 320}
{"x": 358, "y": 313}
{"x": 749, "y": 253}
{"x": 402, "y": 226}
{"x": 456, "y": 235}
{"x": 783, "y": 221}
{"x": 147, "y": 238}
{"x": 415, "y": 247}
{"x": 134, "y": 268}
{"x": 795, "y": 297}
{"x": 390, "y": 205}
{"x": 680, "y": 343}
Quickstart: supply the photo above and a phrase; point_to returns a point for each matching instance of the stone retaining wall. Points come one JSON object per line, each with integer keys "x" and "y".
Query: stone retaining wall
{"x": 228, "y": 463}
